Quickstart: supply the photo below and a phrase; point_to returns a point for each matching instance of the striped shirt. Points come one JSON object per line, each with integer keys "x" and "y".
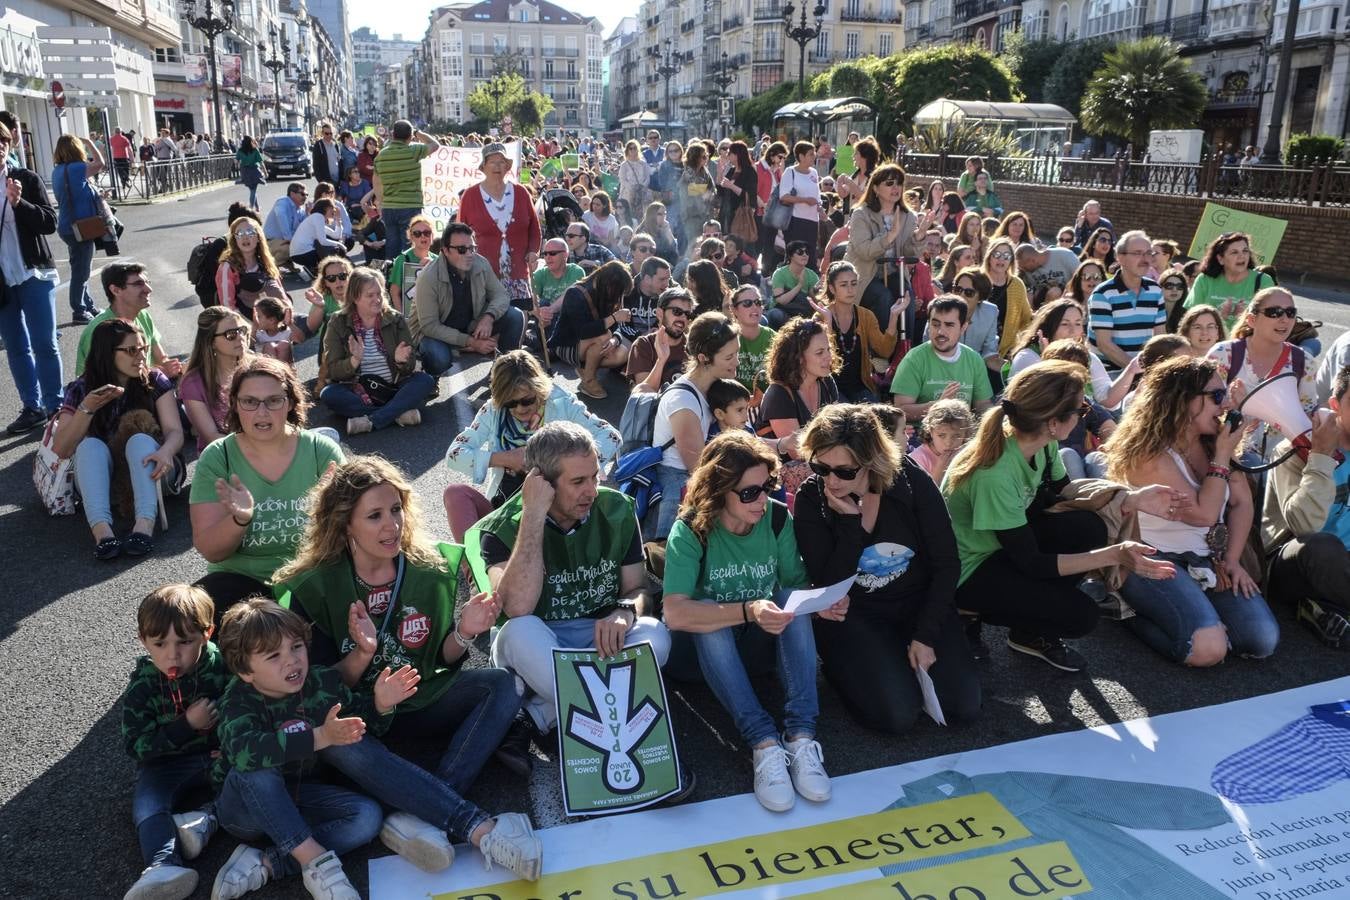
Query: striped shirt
{"x": 373, "y": 361}
{"x": 1129, "y": 315}
{"x": 399, "y": 165}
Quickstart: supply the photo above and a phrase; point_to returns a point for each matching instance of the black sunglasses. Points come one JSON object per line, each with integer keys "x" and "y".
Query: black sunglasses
{"x": 421, "y": 232}
{"x": 520, "y": 401}
{"x": 230, "y": 334}
{"x": 1274, "y": 312}
{"x": 554, "y": 252}
{"x": 843, "y": 473}
{"x": 751, "y": 494}
{"x": 1174, "y": 286}
{"x": 968, "y": 293}
{"x": 753, "y": 301}
{"x": 333, "y": 279}
{"x": 1218, "y": 395}
{"x": 678, "y": 311}
{"x": 467, "y": 248}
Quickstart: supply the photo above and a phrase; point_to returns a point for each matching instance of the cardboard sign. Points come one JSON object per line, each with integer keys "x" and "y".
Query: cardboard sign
{"x": 571, "y": 161}
{"x": 551, "y": 168}
{"x": 1266, "y": 231}
{"x": 610, "y": 185}
{"x": 617, "y": 748}
{"x": 844, "y": 163}
{"x": 448, "y": 172}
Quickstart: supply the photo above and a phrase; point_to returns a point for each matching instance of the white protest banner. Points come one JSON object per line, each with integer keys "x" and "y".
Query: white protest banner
{"x": 447, "y": 172}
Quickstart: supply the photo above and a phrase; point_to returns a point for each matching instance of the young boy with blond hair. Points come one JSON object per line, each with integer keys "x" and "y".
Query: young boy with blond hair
{"x": 278, "y": 718}
{"x": 168, "y": 722}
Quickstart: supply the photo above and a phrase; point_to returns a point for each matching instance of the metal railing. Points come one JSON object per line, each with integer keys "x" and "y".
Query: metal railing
{"x": 1315, "y": 184}
{"x": 159, "y": 178}
{"x": 1194, "y": 27}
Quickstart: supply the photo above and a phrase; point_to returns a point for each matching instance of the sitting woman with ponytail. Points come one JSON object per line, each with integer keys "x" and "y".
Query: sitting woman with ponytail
{"x": 1021, "y": 566}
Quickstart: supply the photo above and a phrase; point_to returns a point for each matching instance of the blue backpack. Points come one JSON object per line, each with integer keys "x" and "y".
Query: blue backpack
{"x": 635, "y": 469}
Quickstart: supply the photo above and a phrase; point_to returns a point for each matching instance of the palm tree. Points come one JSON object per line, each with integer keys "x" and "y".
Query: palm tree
{"x": 1143, "y": 85}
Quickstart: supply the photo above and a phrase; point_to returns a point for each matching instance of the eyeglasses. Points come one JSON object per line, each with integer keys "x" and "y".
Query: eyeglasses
{"x": 1001, "y": 255}
{"x": 462, "y": 249}
{"x": 231, "y": 334}
{"x": 138, "y": 350}
{"x": 1274, "y": 312}
{"x": 752, "y": 301}
{"x": 245, "y": 232}
{"x": 1135, "y": 253}
{"x": 679, "y": 312}
{"x": 751, "y": 494}
{"x": 843, "y": 473}
{"x": 1066, "y": 239}
{"x": 554, "y": 252}
{"x": 1174, "y": 286}
{"x": 520, "y": 401}
{"x": 251, "y": 404}
{"x": 421, "y": 233}
{"x": 968, "y": 293}
{"x": 1218, "y": 395}
{"x": 333, "y": 279}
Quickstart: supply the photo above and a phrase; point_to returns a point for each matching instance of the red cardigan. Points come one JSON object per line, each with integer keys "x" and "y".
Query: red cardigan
{"x": 522, "y": 234}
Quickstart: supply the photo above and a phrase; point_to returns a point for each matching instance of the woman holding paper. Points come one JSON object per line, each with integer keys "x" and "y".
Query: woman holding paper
{"x": 867, "y": 510}
{"x": 731, "y": 557}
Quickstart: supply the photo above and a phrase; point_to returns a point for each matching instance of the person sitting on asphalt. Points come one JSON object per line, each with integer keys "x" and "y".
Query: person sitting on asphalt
{"x": 371, "y": 367}
{"x": 319, "y": 236}
{"x": 564, "y": 559}
{"x": 1306, "y": 523}
{"x": 730, "y": 561}
{"x": 581, "y": 335}
{"x": 1036, "y": 267}
{"x": 792, "y": 286}
{"x": 246, "y": 270}
{"x": 326, "y": 191}
{"x": 490, "y": 451}
{"x": 460, "y": 305}
{"x": 942, "y": 367}
{"x": 410, "y": 263}
{"x": 747, "y": 310}
{"x": 282, "y": 220}
{"x": 1089, "y": 220}
{"x": 658, "y": 358}
{"x": 650, "y": 280}
{"x": 581, "y": 250}
{"x": 1127, "y": 309}
{"x": 220, "y": 347}
{"x": 869, "y": 511}
{"x": 128, "y": 293}
{"x": 551, "y": 280}
{"x": 120, "y": 412}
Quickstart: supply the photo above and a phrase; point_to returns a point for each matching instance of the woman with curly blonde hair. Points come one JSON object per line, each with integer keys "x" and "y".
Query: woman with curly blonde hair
{"x": 730, "y": 560}
{"x": 377, "y": 587}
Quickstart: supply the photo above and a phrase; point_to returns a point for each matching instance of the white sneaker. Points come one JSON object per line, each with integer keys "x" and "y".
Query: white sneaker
{"x": 243, "y": 872}
{"x": 511, "y": 843}
{"x": 325, "y": 880}
{"x": 359, "y": 425}
{"x": 420, "y": 843}
{"x": 773, "y": 787}
{"x": 163, "y": 883}
{"x": 194, "y": 831}
{"x": 808, "y": 769}
{"x": 409, "y": 418}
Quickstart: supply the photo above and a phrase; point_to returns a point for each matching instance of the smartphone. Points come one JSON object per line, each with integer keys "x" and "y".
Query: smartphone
{"x": 105, "y": 390}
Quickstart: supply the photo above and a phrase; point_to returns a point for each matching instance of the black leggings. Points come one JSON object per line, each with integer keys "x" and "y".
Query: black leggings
{"x": 1003, "y": 594}
{"x": 866, "y": 659}
{"x": 228, "y": 588}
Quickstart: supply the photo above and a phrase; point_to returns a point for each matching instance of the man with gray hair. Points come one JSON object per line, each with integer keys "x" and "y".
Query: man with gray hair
{"x": 1128, "y": 308}
{"x": 564, "y": 558}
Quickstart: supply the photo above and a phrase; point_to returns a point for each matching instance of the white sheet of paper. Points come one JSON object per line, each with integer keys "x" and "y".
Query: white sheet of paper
{"x": 805, "y": 601}
{"x": 930, "y": 699}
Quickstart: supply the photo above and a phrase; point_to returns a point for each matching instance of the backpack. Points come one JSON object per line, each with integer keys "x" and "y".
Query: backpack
{"x": 201, "y": 268}
{"x": 1237, "y": 355}
{"x": 635, "y": 469}
{"x": 637, "y": 424}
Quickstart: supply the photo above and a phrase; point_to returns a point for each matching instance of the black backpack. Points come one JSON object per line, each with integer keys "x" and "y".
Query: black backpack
{"x": 201, "y": 268}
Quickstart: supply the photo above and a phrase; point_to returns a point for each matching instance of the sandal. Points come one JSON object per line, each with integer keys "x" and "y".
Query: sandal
{"x": 137, "y": 544}
{"x": 108, "y": 548}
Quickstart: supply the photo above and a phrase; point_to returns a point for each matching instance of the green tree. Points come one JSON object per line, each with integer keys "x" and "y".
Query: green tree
{"x": 759, "y": 110}
{"x": 497, "y": 96}
{"x": 1143, "y": 85}
{"x": 528, "y": 115}
{"x": 955, "y": 71}
{"x": 845, "y": 79}
{"x": 1067, "y": 81}
{"x": 1031, "y": 63}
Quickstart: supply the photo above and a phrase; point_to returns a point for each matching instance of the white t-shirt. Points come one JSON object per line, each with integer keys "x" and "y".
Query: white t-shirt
{"x": 1101, "y": 381}
{"x": 672, "y": 400}
{"x": 807, "y": 185}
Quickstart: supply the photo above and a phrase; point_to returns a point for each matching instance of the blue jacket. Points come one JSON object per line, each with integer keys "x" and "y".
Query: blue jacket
{"x": 69, "y": 179}
{"x": 283, "y": 219}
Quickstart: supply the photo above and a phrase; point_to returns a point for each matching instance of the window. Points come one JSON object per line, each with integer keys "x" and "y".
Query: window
{"x": 571, "y": 70}
{"x": 884, "y": 42}
{"x": 550, "y": 44}
{"x": 851, "y": 45}
{"x": 455, "y": 47}
{"x": 525, "y": 43}
{"x": 524, "y": 15}
{"x": 478, "y": 67}
{"x": 570, "y": 43}
{"x": 852, "y": 8}
{"x": 572, "y": 92}
{"x": 548, "y": 68}
{"x": 499, "y": 43}
{"x": 167, "y": 55}
{"x": 476, "y": 43}
{"x": 823, "y": 45}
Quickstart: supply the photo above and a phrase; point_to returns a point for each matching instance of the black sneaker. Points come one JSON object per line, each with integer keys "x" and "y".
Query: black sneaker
{"x": 688, "y": 783}
{"x": 82, "y": 317}
{"x": 1327, "y": 622}
{"x": 514, "y": 750}
{"x": 1051, "y": 650}
{"x": 28, "y": 420}
{"x": 978, "y": 648}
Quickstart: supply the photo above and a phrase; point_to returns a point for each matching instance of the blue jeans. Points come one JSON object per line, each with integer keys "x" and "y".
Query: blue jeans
{"x": 395, "y": 782}
{"x": 160, "y": 784}
{"x": 412, "y": 393}
{"x": 724, "y": 656}
{"x": 672, "y": 482}
{"x": 476, "y": 712}
{"x": 1168, "y": 613}
{"x": 28, "y": 328}
{"x": 396, "y": 220}
{"x": 253, "y": 196}
{"x": 93, "y": 478}
{"x": 262, "y": 804}
{"x": 81, "y": 261}
{"x": 437, "y": 356}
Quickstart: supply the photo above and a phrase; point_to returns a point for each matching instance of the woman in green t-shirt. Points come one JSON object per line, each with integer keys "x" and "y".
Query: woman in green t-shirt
{"x": 1021, "y": 566}
{"x": 1228, "y": 278}
{"x": 730, "y": 557}
{"x": 747, "y": 309}
{"x": 403, "y": 273}
{"x": 249, "y": 492}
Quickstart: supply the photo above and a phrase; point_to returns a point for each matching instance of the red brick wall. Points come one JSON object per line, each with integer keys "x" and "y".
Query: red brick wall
{"x": 1311, "y": 247}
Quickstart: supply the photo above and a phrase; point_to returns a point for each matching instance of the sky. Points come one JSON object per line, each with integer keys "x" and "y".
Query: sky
{"x": 409, "y": 17}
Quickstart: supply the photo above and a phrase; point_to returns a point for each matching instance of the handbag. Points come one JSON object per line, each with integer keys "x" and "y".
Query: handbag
{"x": 87, "y": 228}
{"x": 1303, "y": 330}
{"x": 776, "y": 214}
{"x": 743, "y": 225}
{"x": 378, "y": 389}
{"x": 54, "y": 477}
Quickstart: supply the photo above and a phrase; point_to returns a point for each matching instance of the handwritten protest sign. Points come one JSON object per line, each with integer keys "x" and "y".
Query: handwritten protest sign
{"x": 844, "y": 163}
{"x": 1266, "y": 231}
{"x": 447, "y": 172}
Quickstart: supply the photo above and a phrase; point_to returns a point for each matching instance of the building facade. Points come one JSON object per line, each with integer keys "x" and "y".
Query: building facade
{"x": 372, "y": 56}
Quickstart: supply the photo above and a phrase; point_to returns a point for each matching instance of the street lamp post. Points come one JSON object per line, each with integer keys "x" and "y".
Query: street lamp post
{"x": 667, "y": 66}
{"x": 723, "y": 79}
{"x": 303, "y": 82}
{"x": 803, "y": 34}
{"x": 1270, "y": 154}
{"x": 276, "y": 63}
{"x": 211, "y": 24}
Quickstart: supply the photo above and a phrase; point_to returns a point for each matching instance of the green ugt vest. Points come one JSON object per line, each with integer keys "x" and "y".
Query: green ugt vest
{"x": 581, "y": 569}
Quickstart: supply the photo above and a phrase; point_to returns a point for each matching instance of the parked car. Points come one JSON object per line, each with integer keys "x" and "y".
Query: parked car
{"x": 286, "y": 153}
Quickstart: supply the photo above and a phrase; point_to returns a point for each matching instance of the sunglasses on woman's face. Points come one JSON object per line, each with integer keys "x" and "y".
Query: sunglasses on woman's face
{"x": 968, "y": 293}
{"x": 334, "y": 279}
{"x": 749, "y": 302}
{"x": 1066, "y": 239}
{"x": 1274, "y": 312}
{"x": 245, "y": 233}
{"x": 1003, "y": 256}
{"x": 751, "y": 494}
{"x": 1217, "y": 395}
{"x": 230, "y": 334}
{"x": 421, "y": 233}
{"x": 843, "y": 473}
{"x": 1174, "y": 286}
{"x": 520, "y": 402}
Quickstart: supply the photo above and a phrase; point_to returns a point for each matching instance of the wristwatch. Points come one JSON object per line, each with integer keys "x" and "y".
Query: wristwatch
{"x": 628, "y": 604}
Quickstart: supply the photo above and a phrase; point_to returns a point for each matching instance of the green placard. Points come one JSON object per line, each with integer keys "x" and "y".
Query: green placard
{"x": 526, "y": 176}
{"x": 610, "y": 185}
{"x": 551, "y": 168}
{"x": 844, "y": 163}
{"x": 1266, "y": 231}
{"x": 571, "y": 161}
{"x": 617, "y": 749}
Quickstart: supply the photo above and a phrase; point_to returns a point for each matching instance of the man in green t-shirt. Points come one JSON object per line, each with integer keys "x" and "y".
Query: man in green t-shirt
{"x": 128, "y": 292}
{"x": 554, "y": 277}
{"x": 397, "y": 182}
{"x": 942, "y": 367}
{"x": 564, "y": 558}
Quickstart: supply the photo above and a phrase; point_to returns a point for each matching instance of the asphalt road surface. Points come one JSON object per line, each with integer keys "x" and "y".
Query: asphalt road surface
{"x": 67, "y": 638}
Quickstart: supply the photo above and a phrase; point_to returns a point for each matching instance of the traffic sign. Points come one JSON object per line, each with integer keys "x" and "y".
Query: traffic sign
{"x": 726, "y": 108}
{"x": 58, "y": 95}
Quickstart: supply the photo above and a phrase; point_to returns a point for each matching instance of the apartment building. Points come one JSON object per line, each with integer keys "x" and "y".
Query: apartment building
{"x": 371, "y": 58}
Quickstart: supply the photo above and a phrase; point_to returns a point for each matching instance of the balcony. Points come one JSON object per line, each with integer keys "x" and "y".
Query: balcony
{"x": 687, "y": 26}
{"x": 740, "y": 59}
{"x": 1234, "y": 100}
{"x": 567, "y": 52}
{"x": 768, "y": 12}
{"x": 1186, "y": 29}
{"x": 1121, "y": 24}
{"x": 974, "y": 10}
{"x": 1234, "y": 20}
{"x": 653, "y": 21}
{"x": 712, "y": 28}
{"x": 1315, "y": 20}
{"x": 870, "y": 15}
{"x": 733, "y": 23}
{"x": 769, "y": 57}
{"x": 918, "y": 34}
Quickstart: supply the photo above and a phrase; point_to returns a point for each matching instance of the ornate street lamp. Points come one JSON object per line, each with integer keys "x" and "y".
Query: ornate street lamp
{"x": 212, "y": 24}
{"x": 667, "y": 66}
{"x": 803, "y": 34}
{"x": 276, "y": 62}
